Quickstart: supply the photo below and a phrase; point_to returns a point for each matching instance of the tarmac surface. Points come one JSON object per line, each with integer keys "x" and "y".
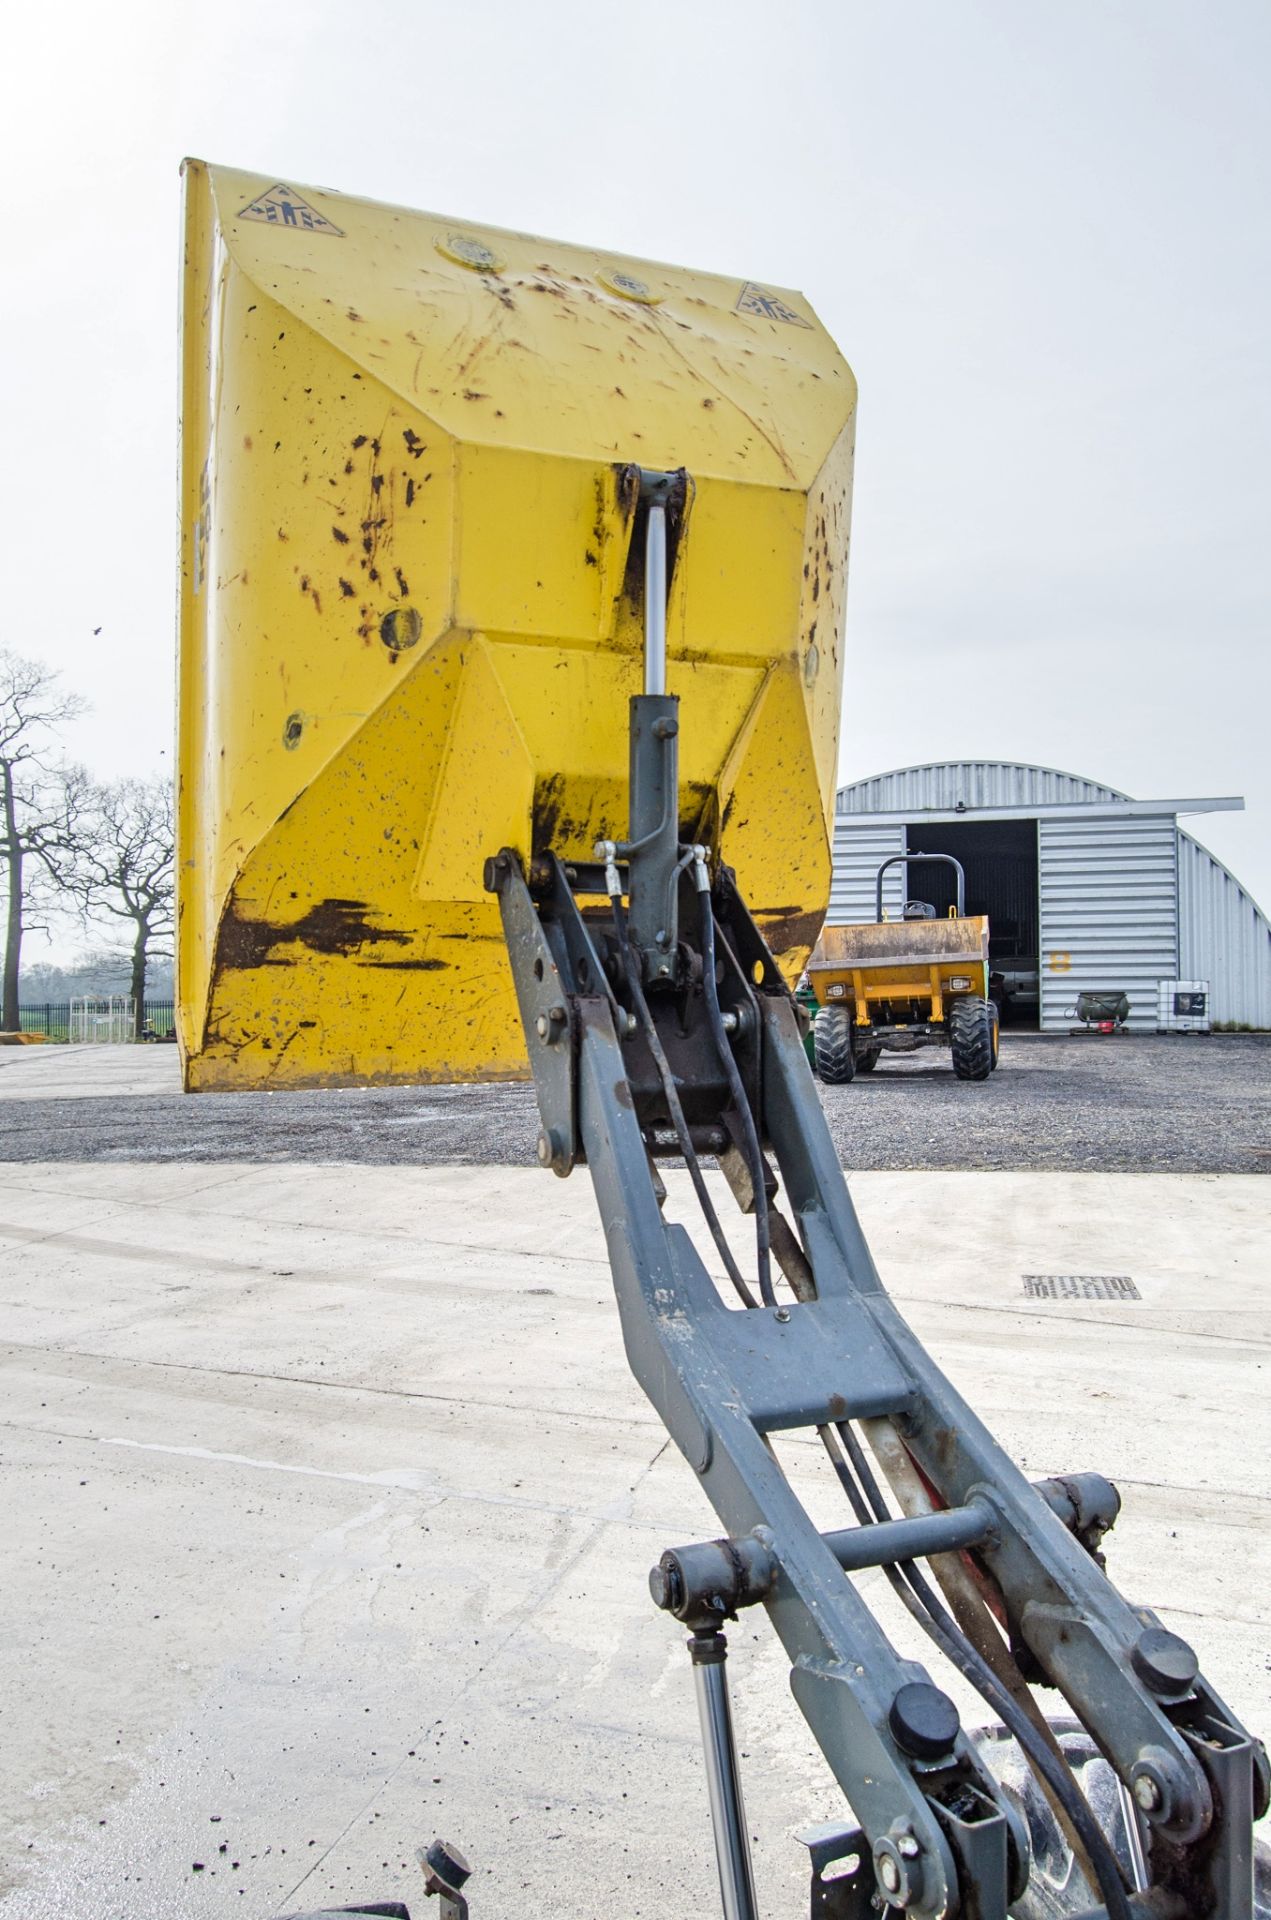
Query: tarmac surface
{"x": 330, "y": 1501}
{"x": 1151, "y": 1103}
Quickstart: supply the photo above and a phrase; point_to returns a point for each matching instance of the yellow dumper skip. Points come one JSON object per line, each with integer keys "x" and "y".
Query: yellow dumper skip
{"x": 893, "y": 986}
{"x": 408, "y": 626}
{"x": 897, "y": 963}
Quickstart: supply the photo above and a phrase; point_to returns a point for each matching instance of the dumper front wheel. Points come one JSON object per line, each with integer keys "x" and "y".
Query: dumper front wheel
{"x": 971, "y": 1037}
{"x": 832, "y": 1036}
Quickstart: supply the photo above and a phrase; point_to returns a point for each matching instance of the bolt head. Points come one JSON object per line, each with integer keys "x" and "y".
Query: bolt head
{"x": 1146, "y": 1793}
{"x": 666, "y": 1589}
{"x": 551, "y": 1151}
{"x": 542, "y": 1026}
{"x": 899, "y": 1879}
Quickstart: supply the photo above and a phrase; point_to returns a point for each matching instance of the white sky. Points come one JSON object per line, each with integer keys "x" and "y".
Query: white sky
{"x": 1040, "y": 233}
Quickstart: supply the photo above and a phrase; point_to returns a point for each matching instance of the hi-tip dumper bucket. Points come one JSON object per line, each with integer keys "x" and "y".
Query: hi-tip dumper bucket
{"x": 410, "y": 614}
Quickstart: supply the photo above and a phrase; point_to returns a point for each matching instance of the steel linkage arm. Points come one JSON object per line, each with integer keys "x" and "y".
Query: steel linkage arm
{"x": 658, "y": 1025}
{"x": 723, "y": 1380}
{"x": 942, "y": 1836}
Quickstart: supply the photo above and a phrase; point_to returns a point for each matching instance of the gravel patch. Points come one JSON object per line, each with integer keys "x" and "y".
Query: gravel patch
{"x": 1181, "y": 1104}
{"x": 1150, "y": 1103}
{"x": 369, "y": 1126}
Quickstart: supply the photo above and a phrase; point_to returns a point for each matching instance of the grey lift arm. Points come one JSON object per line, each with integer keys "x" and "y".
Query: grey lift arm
{"x": 659, "y": 1027}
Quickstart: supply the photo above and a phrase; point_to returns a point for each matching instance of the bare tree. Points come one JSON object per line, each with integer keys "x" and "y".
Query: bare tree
{"x": 37, "y": 803}
{"x": 124, "y": 867}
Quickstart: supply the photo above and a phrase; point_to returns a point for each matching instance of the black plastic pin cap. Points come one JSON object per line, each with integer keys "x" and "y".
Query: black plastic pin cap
{"x": 924, "y": 1722}
{"x": 448, "y": 1863}
{"x": 1163, "y": 1662}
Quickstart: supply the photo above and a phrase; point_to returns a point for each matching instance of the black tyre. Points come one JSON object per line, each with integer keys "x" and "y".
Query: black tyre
{"x": 971, "y": 1036}
{"x": 832, "y": 1036}
{"x": 997, "y": 1034}
{"x": 867, "y": 1061}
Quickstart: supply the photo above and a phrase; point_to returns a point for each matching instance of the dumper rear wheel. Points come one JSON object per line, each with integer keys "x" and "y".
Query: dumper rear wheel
{"x": 971, "y": 1030}
{"x": 832, "y": 1035}
{"x": 867, "y": 1061}
{"x": 997, "y": 1033}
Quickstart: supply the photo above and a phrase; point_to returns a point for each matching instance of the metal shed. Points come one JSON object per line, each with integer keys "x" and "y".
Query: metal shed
{"x": 1084, "y": 887}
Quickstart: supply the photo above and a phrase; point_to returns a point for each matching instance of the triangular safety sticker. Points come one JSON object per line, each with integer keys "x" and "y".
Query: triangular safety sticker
{"x": 767, "y": 305}
{"x": 282, "y": 207}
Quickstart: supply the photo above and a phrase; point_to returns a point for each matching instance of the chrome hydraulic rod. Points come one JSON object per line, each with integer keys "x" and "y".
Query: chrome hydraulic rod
{"x": 708, "y": 1651}
{"x": 655, "y": 600}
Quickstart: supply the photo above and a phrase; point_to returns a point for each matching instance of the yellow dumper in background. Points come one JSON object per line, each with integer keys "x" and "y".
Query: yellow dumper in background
{"x": 408, "y": 612}
{"x": 898, "y": 985}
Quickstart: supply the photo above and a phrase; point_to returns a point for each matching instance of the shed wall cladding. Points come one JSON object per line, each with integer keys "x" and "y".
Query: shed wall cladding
{"x": 1223, "y": 938}
{"x": 860, "y": 847}
{"x": 945, "y": 784}
{"x": 1109, "y": 897}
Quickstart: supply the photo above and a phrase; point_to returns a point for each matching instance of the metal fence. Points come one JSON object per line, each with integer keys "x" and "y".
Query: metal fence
{"x": 53, "y": 1018}
{"x": 103, "y": 1020}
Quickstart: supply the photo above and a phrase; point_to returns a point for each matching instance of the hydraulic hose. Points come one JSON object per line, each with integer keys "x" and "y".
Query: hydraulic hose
{"x": 674, "y": 1107}
{"x": 754, "y": 1155}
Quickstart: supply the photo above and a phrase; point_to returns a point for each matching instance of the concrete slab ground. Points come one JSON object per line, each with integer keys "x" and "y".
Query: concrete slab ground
{"x": 59, "y": 1072}
{"x": 329, "y": 1504}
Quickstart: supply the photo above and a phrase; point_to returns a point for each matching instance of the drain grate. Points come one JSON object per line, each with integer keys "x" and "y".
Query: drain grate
{"x": 1080, "y": 1286}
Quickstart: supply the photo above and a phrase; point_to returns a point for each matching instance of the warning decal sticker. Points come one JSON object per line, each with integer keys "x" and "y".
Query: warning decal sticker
{"x": 282, "y": 207}
{"x": 767, "y": 305}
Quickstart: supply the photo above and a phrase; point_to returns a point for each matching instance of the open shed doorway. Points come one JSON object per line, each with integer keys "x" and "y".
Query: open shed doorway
{"x": 1000, "y": 861}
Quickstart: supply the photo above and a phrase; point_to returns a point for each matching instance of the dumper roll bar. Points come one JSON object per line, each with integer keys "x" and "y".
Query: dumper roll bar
{"x": 658, "y": 1028}
{"x": 905, "y": 859}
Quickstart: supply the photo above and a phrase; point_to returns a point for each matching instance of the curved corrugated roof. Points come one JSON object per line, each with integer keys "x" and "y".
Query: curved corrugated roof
{"x": 1224, "y": 937}
{"x": 941, "y": 785}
